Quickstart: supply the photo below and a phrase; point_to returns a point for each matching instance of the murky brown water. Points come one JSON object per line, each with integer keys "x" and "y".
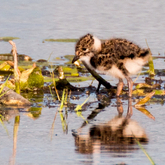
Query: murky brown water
{"x": 38, "y": 138}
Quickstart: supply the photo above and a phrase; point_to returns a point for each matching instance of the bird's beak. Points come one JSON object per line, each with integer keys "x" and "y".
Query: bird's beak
{"x": 75, "y": 58}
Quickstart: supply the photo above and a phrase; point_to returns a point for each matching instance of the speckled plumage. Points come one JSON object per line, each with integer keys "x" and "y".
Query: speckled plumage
{"x": 117, "y": 57}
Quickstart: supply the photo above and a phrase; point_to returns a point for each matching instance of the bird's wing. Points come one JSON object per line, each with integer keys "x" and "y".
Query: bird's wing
{"x": 122, "y": 48}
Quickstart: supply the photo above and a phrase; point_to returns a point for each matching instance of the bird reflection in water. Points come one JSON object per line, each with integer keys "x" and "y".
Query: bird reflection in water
{"x": 117, "y": 136}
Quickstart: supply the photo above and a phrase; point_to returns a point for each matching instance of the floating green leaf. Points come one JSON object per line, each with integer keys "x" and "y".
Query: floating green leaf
{"x": 144, "y": 85}
{"x": 61, "y": 40}
{"x": 8, "y": 38}
{"x": 144, "y": 100}
{"x": 141, "y": 92}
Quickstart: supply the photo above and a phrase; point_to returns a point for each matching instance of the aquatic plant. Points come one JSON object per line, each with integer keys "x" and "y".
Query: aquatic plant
{"x": 1, "y": 94}
{"x": 53, "y": 79}
{"x": 151, "y": 70}
{"x": 141, "y": 102}
{"x": 16, "y": 70}
{"x": 145, "y": 152}
{"x": 2, "y": 123}
{"x": 62, "y": 100}
{"x": 78, "y": 110}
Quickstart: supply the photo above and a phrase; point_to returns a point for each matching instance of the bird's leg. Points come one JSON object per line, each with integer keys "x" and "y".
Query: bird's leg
{"x": 130, "y": 85}
{"x": 130, "y": 111}
{"x": 119, "y": 87}
{"x": 119, "y": 107}
{"x": 97, "y": 90}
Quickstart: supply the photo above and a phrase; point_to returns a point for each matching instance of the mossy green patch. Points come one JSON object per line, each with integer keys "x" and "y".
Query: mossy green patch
{"x": 36, "y": 79}
{"x": 31, "y": 78}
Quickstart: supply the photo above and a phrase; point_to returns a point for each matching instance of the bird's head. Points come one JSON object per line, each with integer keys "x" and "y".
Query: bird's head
{"x": 87, "y": 45}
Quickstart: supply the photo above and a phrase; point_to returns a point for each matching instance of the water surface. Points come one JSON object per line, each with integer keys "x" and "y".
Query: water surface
{"x": 34, "y": 21}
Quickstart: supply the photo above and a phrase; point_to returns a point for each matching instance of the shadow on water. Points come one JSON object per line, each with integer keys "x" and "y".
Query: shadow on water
{"x": 118, "y": 136}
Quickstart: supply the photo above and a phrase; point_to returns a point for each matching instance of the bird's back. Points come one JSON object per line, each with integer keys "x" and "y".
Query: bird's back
{"x": 122, "y": 48}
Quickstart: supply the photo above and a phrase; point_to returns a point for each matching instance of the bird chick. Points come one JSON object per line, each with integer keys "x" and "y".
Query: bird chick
{"x": 117, "y": 57}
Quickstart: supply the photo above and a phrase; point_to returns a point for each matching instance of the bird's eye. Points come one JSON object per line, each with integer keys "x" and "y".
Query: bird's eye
{"x": 84, "y": 49}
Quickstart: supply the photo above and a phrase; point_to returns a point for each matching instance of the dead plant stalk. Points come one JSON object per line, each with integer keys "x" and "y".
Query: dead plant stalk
{"x": 16, "y": 70}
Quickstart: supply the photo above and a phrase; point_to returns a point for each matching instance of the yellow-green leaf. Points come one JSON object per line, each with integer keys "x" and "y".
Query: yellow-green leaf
{"x": 144, "y": 100}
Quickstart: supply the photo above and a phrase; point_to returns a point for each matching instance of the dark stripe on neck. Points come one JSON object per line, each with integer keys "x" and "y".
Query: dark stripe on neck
{"x": 92, "y": 62}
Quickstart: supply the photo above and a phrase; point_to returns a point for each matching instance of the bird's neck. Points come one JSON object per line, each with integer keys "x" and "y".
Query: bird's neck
{"x": 93, "y": 62}
{"x": 90, "y": 60}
